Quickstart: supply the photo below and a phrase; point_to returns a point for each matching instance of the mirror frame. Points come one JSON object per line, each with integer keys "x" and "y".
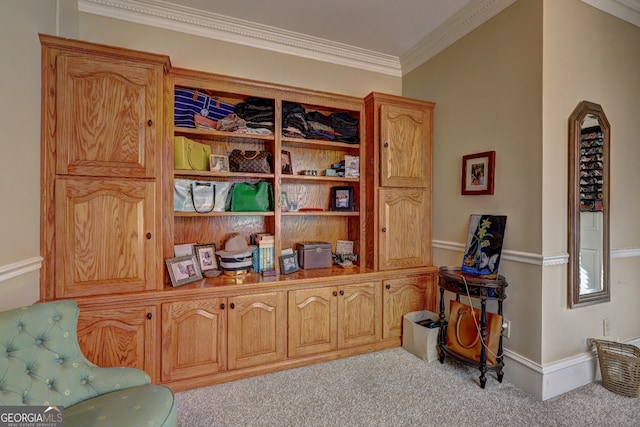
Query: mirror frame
{"x": 575, "y": 298}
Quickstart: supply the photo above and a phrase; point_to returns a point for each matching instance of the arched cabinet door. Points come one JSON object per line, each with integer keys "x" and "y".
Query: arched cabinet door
{"x": 106, "y": 237}
{"x": 120, "y": 336}
{"x": 404, "y": 236}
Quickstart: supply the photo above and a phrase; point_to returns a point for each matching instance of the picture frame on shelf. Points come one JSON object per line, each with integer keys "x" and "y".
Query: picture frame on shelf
{"x": 183, "y": 270}
{"x": 284, "y": 202}
{"x": 183, "y": 249}
{"x": 478, "y": 173}
{"x": 285, "y": 160}
{"x": 205, "y": 254}
{"x": 289, "y": 263}
{"x": 351, "y": 166}
{"x": 218, "y": 163}
{"x": 342, "y": 199}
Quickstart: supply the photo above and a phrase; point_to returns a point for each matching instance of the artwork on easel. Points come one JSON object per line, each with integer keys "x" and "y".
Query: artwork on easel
{"x": 484, "y": 245}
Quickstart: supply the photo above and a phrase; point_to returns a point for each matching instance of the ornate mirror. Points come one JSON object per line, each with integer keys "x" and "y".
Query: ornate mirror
{"x": 588, "y": 205}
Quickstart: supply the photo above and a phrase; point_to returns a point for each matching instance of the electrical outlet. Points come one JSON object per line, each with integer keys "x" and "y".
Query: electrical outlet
{"x": 606, "y": 327}
{"x": 506, "y": 328}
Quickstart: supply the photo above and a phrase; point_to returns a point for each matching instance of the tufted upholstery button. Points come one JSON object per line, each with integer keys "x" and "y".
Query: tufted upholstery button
{"x": 83, "y": 382}
{"x": 56, "y": 318}
{"x": 38, "y": 342}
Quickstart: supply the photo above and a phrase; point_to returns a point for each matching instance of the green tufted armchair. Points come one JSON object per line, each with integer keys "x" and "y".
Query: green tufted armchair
{"x": 41, "y": 364}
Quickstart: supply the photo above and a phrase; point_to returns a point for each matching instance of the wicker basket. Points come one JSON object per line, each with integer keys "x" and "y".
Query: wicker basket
{"x": 619, "y": 367}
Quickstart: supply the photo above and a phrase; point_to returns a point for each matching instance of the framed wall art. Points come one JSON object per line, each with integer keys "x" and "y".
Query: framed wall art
{"x": 478, "y": 173}
{"x": 183, "y": 269}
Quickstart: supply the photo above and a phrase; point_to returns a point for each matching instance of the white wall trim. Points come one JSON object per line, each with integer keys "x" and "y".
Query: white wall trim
{"x": 553, "y": 379}
{"x": 453, "y": 29}
{"x": 169, "y": 16}
{"x": 535, "y": 259}
{"x": 627, "y": 10}
{"x": 19, "y": 268}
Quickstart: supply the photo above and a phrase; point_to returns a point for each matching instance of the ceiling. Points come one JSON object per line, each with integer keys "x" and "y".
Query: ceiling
{"x": 391, "y": 37}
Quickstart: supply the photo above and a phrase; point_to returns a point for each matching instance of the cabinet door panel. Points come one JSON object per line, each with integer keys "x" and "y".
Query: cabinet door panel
{"x": 106, "y": 239}
{"x": 312, "y": 321}
{"x": 405, "y": 233}
{"x": 194, "y": 338}
{"x": 108, "y": 116}
{"x": 401, "y": 296}
{"x": 359, "y": 314}
{"x": 120, "y": 337}
{"x": 257, "y": 329}
{"x": 405, "y": 153}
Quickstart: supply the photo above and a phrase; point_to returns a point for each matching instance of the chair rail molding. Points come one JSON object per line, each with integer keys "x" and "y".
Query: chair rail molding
{"x": 19, "y": 268}
{"x": 531, "y": 258}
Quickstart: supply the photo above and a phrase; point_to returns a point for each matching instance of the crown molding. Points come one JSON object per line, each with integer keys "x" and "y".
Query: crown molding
{"x": 470, "y": 17}
{"x": 161, "y": 14}
{"x": 627, "y": 10}
{"x": 168, "y": 16}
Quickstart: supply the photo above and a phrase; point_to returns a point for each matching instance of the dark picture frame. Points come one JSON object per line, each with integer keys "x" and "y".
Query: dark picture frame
{"x": 478, "y": 173}
{"x": 289, "y": 263}
{"x": 342, "y": 199}
{"x": 183, "y": 270}
{"x": 206, "y": 255}
{"x": 285, "y": 160}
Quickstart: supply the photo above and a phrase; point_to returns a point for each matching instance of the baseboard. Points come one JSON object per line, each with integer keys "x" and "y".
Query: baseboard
{"x": 554, "y": 379}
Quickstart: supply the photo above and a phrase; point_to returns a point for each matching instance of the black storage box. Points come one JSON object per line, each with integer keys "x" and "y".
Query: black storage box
{"x": 314, "y": 255}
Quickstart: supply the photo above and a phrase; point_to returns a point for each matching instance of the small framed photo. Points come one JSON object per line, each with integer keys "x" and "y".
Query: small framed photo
{"x": 289, "y": 263}
{"x": 206, "y": 256}
{"x": 183, "y": 269}
{"x": 219, "y": 163}
{"x": 478, "y": 173}
{"x": 351, "y": 166}
{"x": 285, "y": 160}
{"x": 342, "y": 199}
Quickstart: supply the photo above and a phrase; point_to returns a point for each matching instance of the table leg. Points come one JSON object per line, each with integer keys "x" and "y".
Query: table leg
{"x": 483, "y": 337}
{"x": 442, "y": 327}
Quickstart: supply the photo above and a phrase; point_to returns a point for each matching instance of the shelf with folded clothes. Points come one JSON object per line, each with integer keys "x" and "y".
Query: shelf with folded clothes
{"x": 308, "y": 122}
{"x": 217, "y": 134}
{"x": 319, "y": 144}
{"x": 226, "y": 213}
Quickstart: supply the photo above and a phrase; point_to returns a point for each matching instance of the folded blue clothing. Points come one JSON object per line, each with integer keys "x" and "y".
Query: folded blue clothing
{"x": 189, "y": 102}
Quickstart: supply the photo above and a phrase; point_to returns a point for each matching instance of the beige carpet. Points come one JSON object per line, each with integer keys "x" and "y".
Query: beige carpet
{"x": 395, "y": 388}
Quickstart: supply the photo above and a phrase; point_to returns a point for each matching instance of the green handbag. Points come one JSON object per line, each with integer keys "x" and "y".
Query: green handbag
{"x": 248, "y": 197}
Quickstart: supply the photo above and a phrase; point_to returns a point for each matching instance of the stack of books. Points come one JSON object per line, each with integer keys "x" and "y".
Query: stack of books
{"x": 264, "y": 256}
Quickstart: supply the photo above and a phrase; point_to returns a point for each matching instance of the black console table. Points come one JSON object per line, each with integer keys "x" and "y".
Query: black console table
{"x": 453, "y": 280}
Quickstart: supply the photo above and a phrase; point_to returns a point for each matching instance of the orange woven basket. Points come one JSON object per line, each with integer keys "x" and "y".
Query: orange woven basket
{"x": 619, "y": 367}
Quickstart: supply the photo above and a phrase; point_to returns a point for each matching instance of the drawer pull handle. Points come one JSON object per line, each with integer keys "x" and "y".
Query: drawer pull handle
{"x": 149, "y": 316}
{"x": 388, "y": 286}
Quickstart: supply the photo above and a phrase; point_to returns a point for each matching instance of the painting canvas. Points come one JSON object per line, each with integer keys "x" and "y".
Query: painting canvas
{"x": 484, "y": 245}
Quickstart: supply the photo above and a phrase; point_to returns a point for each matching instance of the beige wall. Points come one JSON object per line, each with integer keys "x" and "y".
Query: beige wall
{"x": 590, "y": 55}
{"x": 510, "y": 86}
{"x": 488, "y": 93}
{"x": 20, "y": 23}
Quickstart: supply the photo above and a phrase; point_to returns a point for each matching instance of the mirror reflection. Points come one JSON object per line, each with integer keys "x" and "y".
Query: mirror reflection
{"x": 588, "y": 191}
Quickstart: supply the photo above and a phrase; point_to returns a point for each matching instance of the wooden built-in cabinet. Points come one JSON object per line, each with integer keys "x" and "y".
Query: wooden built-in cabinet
{"x": 194, "y": 338}
{"x": 102, "y": 111}
{"x": 404, "y": 295}
{"x": 327, "y": 318}
{"x": 108, "y": 220}
{"x": 124, "y": 335}
{"x": 399, "y": 132}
